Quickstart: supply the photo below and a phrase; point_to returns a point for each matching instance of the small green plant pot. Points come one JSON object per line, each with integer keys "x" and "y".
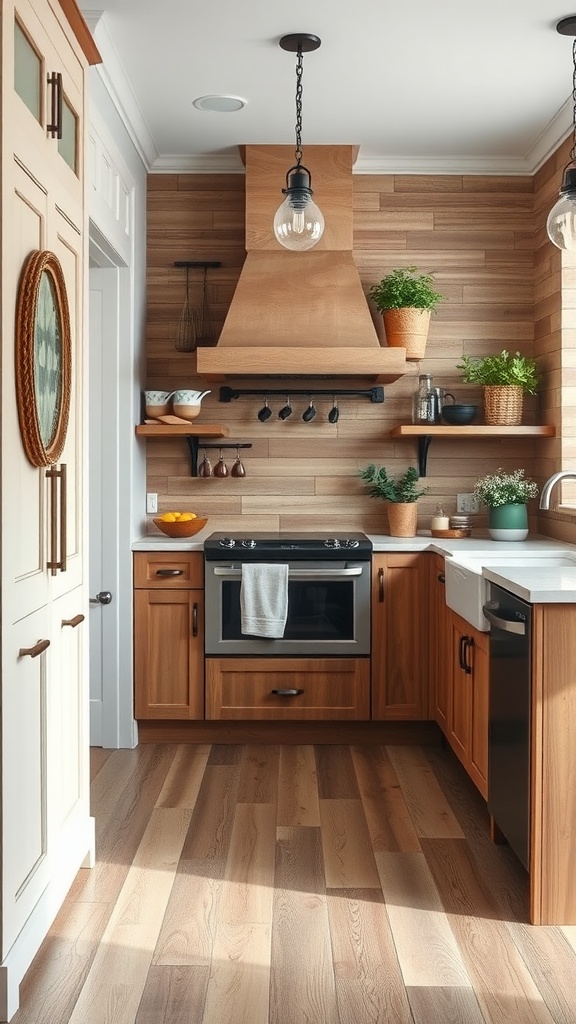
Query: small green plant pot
{"x": 508, "y": 522}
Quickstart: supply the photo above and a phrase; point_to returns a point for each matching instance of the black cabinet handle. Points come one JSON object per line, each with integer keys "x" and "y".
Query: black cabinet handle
{"x": 441, "y": 577}
{"x": 287, "y": 693}
{"x": 195, "y": 619}
{"x": 381, "y": 585}
{"x": 461, "y": 652}
{"x": 169, "y": 572}
{"x": 55, "y": 127}
{"x": 468, "y": 643}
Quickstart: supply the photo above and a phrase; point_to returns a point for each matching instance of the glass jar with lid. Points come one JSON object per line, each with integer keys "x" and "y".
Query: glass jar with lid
{"x": 425, "y": 401}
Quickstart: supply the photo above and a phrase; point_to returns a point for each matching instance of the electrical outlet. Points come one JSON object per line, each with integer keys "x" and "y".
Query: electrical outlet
{"x": 151, "y": 503}
{"x": 468, "y": 503}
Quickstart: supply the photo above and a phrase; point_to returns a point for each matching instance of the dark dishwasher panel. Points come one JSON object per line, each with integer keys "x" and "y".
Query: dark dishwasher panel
{"x": 509, "y": 718}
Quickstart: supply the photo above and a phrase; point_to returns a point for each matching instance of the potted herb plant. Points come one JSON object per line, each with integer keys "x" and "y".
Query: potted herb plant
{"x": 505, "y": 380}
{"x": 400, "y": 492}
{"x": 506, "y": 495}
{"x": 406, "y": 300}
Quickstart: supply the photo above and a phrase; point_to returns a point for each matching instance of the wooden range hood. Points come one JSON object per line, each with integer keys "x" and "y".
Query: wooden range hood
{"x": 300, "y": 314}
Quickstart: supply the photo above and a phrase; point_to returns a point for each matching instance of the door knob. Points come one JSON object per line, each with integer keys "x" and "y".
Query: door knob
{"x": 104, "y": 597}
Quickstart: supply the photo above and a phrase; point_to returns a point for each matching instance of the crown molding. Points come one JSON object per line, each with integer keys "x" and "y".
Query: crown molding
{"x": 556, "y": 131}
{"x": 440, "y": 165}
{"x": 119, "y": 89}
{"x": 200, "y": 163}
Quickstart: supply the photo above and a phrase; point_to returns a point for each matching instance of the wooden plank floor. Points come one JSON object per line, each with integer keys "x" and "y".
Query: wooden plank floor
{"x": 296, "y": 885}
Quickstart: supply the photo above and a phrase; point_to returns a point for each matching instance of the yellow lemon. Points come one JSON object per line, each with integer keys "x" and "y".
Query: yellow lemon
{"x": 168, "y": 517}
{"x": 185, "y": 517}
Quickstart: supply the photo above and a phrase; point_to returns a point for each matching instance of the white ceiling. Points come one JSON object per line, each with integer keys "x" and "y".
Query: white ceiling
{"x": 422, "y": 86}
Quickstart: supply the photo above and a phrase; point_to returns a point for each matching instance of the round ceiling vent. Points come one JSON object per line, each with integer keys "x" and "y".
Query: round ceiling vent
{"x": 221, "y": 104}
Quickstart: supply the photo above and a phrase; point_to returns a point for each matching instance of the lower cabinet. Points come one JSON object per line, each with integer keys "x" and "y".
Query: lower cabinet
{"x": 400, "y": 636}
{"x": 467, "y": 719}
{"x": 288, "y": 689}
{"x": 169, "y": 635}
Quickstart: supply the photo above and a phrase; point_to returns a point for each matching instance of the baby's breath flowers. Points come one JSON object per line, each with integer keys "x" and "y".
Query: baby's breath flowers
{"x": 502, "y": 488}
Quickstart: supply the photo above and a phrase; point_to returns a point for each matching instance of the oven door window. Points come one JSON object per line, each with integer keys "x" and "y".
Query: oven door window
{"x": 317, "y": 610}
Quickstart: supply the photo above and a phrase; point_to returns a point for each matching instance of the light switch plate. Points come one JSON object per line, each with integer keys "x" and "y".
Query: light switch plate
{"x": 468, "y": 504}
{"x": 151, "y": 503}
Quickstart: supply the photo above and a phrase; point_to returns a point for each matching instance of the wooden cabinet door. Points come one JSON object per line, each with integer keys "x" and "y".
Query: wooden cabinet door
{"x": 399, "y": 625}
{"x": 169, "y": 653}
{"x": 468, "y": 717}
{"x": 439, "y": 645}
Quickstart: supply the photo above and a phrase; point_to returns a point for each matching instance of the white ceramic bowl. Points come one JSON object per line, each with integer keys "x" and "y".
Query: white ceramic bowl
{"x": 157, "y": 403}
{"x": 186, "y": 411}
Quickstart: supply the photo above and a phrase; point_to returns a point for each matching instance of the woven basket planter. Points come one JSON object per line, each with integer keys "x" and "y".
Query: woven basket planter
{"x": 503, "y": 405}
{"x": 402, "y": 518}
{"x": 407, "y": 328}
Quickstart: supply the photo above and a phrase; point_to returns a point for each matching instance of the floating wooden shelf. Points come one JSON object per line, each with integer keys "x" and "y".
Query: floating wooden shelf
{"x": 191, "y": 431}
{"x": 425, "y": 433}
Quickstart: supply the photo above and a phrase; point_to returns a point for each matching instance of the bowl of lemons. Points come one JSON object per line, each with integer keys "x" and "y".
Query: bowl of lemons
{"x": 180, "y": 524}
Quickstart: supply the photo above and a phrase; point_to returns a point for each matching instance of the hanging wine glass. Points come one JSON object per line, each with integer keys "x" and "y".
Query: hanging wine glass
{"x": 205, "y": 467}
{"x": 221, "y": 469}
{"x": 265, "y": 412}
{"x": 334, "y": 414}
{"x": 238, "y": 467}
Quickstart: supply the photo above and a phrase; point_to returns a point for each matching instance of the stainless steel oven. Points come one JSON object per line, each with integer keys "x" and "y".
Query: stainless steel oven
{"x": 328, "y": 594}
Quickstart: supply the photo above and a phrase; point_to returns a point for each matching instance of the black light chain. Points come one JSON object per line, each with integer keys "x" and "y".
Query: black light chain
{"x": 573, "y": 150}
{"x": 299, "y": 72}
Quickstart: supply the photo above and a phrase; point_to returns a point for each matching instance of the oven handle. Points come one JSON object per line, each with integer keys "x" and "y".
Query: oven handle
{"x": 300, "y": 574}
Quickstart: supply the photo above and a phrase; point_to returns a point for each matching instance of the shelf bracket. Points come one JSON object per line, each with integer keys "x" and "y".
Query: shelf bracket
{"x": 423, "y": 446}
{"x": 194, "y": 444}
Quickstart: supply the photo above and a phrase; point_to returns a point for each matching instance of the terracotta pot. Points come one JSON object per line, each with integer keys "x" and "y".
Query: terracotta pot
{"x": 402, "y": 518}
{"x": 407, "y": 328}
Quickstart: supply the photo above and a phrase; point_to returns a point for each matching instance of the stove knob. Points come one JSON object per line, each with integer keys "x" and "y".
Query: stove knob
{"x": 249, "y": 543}
{"x": 332, "y": 542}
{"x": 351, "y": 543}
{"x": 227, "y": 542}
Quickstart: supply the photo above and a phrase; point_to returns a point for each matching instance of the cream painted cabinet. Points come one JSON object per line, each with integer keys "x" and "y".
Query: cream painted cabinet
{"x": 47, "y": 831}
{"x": 399, "y": 636}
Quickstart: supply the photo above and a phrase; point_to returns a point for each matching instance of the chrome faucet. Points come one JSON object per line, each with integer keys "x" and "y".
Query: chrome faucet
{"x": 551, "y": 483}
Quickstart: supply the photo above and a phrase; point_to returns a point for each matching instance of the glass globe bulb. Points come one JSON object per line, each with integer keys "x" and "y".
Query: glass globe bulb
{"x": 561, "y": 223}
{"x": 298, "y": 225}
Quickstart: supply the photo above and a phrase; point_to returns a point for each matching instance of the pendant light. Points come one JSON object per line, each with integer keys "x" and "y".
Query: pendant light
{"x": 298, "y": 223}
{"x": 561, "y": 224}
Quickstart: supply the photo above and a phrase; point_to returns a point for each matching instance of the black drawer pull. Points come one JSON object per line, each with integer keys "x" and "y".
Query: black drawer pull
{"x": 288, "y": 693}
{"x": 441, "y": 577}
{"x": 169, "y": 572}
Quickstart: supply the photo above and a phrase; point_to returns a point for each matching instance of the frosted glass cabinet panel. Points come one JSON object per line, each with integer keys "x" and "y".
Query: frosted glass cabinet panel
{"x": 27, "y": 71}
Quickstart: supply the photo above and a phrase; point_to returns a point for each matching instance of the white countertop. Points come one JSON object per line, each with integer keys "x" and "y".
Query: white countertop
{"x": 535, "y": 584}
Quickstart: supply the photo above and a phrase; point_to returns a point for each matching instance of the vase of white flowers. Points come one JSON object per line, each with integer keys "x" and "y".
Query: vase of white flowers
{"x": 506, "y": 495}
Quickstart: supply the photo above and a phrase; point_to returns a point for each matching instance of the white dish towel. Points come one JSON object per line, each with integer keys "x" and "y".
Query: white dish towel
{"x": 264, "y": 599}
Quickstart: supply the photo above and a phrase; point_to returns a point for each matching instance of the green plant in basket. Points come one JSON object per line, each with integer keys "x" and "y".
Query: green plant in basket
{"x": 401, "y": 488}
{"x": 501, "y": 370}
{"x": 501, "y": 488}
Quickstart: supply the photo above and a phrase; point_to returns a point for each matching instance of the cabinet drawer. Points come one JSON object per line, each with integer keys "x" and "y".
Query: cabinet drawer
{"x": 169, "y": 569}
{"x": 242, "y": 688}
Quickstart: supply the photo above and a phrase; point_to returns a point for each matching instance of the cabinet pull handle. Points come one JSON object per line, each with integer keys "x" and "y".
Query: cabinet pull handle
{"x": 169, "y": 572}
{"x": 53, "y": 475}
{"x": 73, "y": 622}
{"x": 441, "y": 577}
{"x": 380, "y": 585}
{"x": 33, "y": 652}
{"x": 287, "y": 693}
{"x": 467, "y": 645}
{"x": 461, "y": 653}
{"x": 55, "y": 127}
{"x": 195, "y": 619}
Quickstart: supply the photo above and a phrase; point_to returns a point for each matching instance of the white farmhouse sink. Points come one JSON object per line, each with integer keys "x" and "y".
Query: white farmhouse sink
{"x": 467, "y": 590}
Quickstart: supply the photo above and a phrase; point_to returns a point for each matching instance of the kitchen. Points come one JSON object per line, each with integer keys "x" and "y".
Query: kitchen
{"x": 297, "y": 472}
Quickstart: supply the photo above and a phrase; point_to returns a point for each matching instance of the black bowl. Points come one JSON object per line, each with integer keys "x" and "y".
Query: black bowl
{"x": 458, "y": 415}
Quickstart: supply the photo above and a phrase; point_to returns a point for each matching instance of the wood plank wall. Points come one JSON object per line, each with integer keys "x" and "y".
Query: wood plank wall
{"x": 476, "y": 233}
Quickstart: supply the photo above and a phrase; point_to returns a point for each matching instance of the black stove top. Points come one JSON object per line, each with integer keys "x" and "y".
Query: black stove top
{"x": 287, "y": 546}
